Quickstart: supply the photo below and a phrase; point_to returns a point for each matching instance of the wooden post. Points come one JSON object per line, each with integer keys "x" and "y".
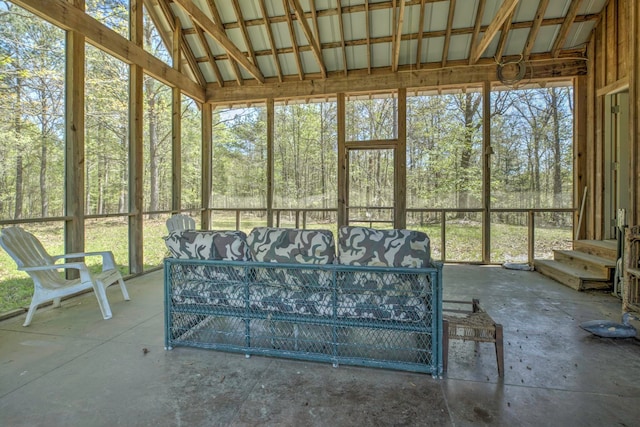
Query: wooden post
{"x": 136, "y": 260}
{"x": 400, "y": 187}
{"x": 176, "y": 126}
{"x": 270, "y": 136}
{"x": 74, "y": 141}
{"x": 207, "y": 158}
{"x": 580, "y": 150}
{"x": 343, "y": 164}
{"x": 486, "y": 172}
{"x": 634, "y": 111}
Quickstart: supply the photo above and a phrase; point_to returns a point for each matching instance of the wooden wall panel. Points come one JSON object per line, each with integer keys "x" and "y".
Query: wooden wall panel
{"x": 613, "y": 67}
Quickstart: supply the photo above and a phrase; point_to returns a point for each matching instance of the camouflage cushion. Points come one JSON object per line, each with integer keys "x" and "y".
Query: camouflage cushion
{"x": 289, "y": 245}
{"x": 210, "y": 245}
{"x": 292, "y": 246}
{"x": 219, "y": 245}
{"x": 388, "y": 248}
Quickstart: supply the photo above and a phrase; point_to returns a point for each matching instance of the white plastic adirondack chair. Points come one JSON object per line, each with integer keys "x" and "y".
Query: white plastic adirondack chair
{"x": 179, "y": 222}
{"x": 49, "y": 284}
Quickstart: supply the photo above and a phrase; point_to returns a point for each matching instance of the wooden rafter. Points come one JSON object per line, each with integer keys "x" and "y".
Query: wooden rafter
{"x": 420, "y": 36}
{"x": 185, "y": 52}
{"x": 272, "y": 43}
{"x": 294, "y": 41}
{"x": 315, "y": 46}
{"x": 234, "y": 64}
{"x": 506, "y": 27}
{"x": 217, "y": 32}
{"x": 342, "y": 42}
{"x": 507, "y": 7}
{"x": 368, "y": 35}
{"x": 533, "y": 32}
{"x": 447, "y": 37}
{"x": 478, "y": 24}
{"x": 209, "y": 55}
{"x": 566, "y": 26}
{"x": 397, "y": 39}
{"x": 243, "y": 28}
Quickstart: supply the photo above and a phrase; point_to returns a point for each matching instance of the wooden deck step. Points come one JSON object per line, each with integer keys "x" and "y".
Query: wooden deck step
{"x": 587, "y": 262}
{"x": 602, "y": 248}
{"x": 576, "y": 278}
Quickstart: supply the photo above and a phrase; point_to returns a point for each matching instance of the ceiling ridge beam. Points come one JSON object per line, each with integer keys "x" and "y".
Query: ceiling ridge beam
{"x": 503, "y": 13}
{"x": 217, "y": 32}
{"x": 315, "y": 46}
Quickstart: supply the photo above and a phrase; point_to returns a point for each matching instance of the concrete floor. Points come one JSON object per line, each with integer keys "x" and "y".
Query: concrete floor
{"x": 71, "y": 368}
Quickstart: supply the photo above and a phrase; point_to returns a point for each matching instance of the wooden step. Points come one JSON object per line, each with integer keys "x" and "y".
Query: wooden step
{"x": 602, "y": 248}
{"x": 575, "y": 278}
{"x": 587, "y": 262}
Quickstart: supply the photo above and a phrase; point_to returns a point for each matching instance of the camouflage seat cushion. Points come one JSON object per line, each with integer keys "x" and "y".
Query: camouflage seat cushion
{"x": 228, "y": 245}
{"x": 386, "y": 248}
{"x": 292, "y": 246}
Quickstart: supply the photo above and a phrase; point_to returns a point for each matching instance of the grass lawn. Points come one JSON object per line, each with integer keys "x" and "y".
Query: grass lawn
{"x": 508, "y": 243}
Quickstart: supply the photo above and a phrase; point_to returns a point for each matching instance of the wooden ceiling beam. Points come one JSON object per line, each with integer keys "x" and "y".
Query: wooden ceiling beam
{"x": 174, "y": 25}
{"x": 294, "y": 41}
{"x": 504, "y": 33}
{"x": 243, "y": 28}
{"x": 315, "y": 46}
{"x": 368, "y": 35}
{"x": 447, "y": 37}
{"x": 342, "y": 41}
{"x": 68, "y": 17}
{"x": 406, "y": 77}
{"x": 213, "y": 9}
{"x": 420, "y": 35}
{"x": 209, "y": 55}
{"x": 272, "y": 43}
{"x": 478, "y": 24}
{"x": 504, "y": 12}
{"x": 397, "y": 39}
{"x": 533, "y": 32}
{"x": 217, "y": 32}
{"x": 566, "y": 26}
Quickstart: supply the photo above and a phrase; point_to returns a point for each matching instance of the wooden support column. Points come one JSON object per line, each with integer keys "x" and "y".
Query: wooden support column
{"x": 486, "y": 172}
{"x": 207, "y": 158}
{"x": 176, "y": 127}
{"x": 270, "y": 136}
{"x": 343, "y": 187}
{"x": 580, "y": 153}
{"x": 136, "y": 259}
{"x": 634, "y": 111}
{"x": 74, "y": 140}
{"x": 400, "y": 207}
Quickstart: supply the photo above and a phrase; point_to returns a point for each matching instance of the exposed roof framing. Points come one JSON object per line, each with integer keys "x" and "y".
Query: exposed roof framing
{"x": 235, "y": 46}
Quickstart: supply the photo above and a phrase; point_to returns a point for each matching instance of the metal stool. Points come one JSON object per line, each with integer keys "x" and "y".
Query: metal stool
{"x": 476, "y": 326}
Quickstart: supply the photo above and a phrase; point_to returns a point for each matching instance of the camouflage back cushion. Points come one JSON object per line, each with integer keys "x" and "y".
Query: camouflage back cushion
{"x": 218, "y": 245}
{"x": 289, "y": 245}
{"x": 387, "y": 248}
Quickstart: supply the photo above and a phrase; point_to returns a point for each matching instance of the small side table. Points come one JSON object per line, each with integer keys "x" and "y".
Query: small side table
{"x": 474, "y": 325}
